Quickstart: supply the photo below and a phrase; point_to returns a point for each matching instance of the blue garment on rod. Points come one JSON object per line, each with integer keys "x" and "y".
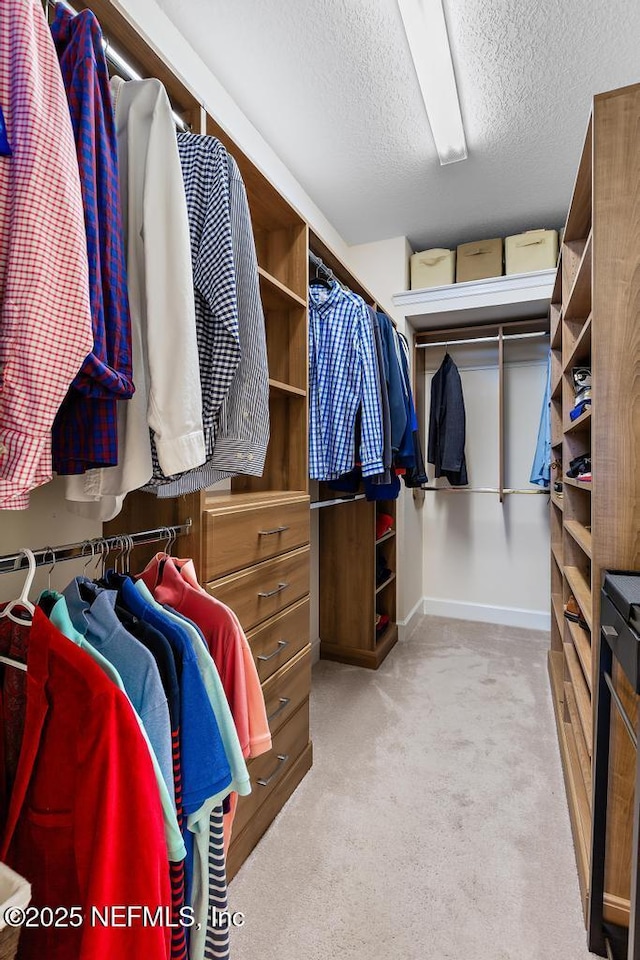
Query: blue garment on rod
{"x": 541, "y": 469}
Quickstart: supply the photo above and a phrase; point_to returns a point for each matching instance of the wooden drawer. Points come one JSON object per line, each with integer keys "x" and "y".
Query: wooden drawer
{"x": 270, "y": 768}
{"x": 262, "y": 591}
{"x": 278, "y": 640}
{"x": 287, "y": 689}
{"x": 238, "y": 539}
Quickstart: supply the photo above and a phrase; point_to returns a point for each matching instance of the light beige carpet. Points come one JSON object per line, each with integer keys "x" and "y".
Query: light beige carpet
{"x": 433, "y": 823}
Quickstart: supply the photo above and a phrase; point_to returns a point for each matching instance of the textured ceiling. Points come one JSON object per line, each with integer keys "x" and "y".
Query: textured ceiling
{"x": 330, "y": 85}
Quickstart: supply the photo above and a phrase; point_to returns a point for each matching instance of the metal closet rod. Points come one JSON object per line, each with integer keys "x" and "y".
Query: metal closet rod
{"x": 116, "y": 60}
{"x": 505, "y": 490}
{"x": 101, "y": 546}
{"x": 507, "y": 336}
{"x": 320, "y": 265}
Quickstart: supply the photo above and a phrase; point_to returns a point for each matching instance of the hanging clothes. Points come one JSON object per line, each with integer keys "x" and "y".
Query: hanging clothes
{"x": 55, "y": 607}
{"x": 343, "y": 380}
{"x": 393, "y": 374}
{"x": 541, "y": 467}
{"x": 206, "y": 179}
{"x": 383, "y": 382}
{"x": 161, "y": 298}
{"x": 242, "y": 435}
{"x": 447, "y": 425}
{"x": 85, "y": 432}
{"x": 81, "y": 813}
{"x": 45, "y": 315}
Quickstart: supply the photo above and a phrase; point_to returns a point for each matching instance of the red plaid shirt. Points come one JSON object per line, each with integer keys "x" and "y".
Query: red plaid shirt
{"x": 85, "y": 433}
{"x": 45, "y": 318}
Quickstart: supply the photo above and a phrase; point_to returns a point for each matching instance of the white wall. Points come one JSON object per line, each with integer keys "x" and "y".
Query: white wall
{"x": 485, "y": 560}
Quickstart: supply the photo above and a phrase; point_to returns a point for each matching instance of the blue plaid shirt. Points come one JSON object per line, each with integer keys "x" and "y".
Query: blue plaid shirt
{"x": 85, "y": 432}
{"x": 343, "y": 378}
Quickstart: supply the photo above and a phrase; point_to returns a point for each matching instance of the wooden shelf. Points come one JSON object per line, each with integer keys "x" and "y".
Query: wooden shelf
{"x": 581, "y": 591}
{"x": 584, "y": 756}
{"x": 581, "y": 351}
{"x": 385, "y": 584}
{"x": 579, "y": 217}
{"x": 556, "y": 550}
{"x": 556, "y": 603}
{"x": 275, "y": 295}
{"x": 578, "y": 484}
{"x": 557, "y": 501}
{"x": 580, "y": 534}
{"x": 555, "y": 317}
{"x": 581, "y": 693}
{"x": 582, "y": 424}
{"x": 582, "y": 644}
{"x": 386, "y": 536}
{"x": 578, "y": 305}
{"x": 556, "y": 388}
{"x": 286, "y": 389}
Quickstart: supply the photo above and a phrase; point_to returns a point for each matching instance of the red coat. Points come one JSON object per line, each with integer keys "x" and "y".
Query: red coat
{"x": 83, "y": 822}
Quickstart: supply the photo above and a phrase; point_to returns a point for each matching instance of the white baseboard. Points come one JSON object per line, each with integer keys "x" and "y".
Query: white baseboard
{"x": 484, "y": 613}
{"x": 406, "y": 626}
{"x": 315, "y": 650}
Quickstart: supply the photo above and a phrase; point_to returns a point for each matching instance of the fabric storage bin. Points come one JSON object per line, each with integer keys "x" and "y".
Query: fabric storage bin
{"x": 433, "y": 268}
{"x": 533, "y": 250}
{"x": 479, "y": 260}
{"x": 15, "y": 893}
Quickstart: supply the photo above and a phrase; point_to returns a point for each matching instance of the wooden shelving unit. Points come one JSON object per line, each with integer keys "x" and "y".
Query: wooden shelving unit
{"x": 593, "y": 317}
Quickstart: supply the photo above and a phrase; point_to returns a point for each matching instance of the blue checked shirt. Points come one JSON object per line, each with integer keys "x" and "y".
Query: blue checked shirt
{"x": 343, "y": 378}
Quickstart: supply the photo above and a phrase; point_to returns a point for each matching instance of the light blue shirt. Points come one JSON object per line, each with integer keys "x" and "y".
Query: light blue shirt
{"x": 541, "y": 469}
{"x": 96, "y": 620}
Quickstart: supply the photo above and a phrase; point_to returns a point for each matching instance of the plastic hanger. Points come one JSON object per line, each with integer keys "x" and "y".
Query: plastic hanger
{"x": 321, "y": 281}
{"x": 23, "y": 600}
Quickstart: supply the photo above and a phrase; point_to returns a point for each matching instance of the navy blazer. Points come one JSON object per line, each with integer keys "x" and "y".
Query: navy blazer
{"x": 447, "y": 425}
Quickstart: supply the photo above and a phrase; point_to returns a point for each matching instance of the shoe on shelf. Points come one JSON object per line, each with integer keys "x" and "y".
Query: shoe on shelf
{"x": 573, "y": 612}
{"x": 585, "y": 477}
{"x": 578, "y": 465}
{"x": 557, "y": 486}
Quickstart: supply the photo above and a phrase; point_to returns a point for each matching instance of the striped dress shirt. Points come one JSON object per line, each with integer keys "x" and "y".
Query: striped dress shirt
{"x": 243, "y": 430}
{"x": 343, "y": 379}
{"x": 45, "y": 316}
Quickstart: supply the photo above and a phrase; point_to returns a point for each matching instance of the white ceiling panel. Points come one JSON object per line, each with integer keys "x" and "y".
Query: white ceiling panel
{"x": 330, "y": 85}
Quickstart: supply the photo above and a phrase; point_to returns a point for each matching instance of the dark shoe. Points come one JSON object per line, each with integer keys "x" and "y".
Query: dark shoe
{"x": 572, "y": 612}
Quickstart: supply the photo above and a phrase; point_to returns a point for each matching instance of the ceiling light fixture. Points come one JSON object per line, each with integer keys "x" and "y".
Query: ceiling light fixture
{"x": 426, "y": 29}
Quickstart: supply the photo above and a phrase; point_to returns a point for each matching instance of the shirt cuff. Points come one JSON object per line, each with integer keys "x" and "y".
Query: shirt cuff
{"x": 177, "y": 454}
{"x": 25, "y": 463}
{"x": 372, "y": 468}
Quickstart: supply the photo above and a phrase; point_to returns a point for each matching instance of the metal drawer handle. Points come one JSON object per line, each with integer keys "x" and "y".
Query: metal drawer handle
{"x": 270, "y": 533}
{"x": 609, "y": 632}
{"x": 281, "y": 645}
{"x": 272, "y": 593}
{"x": 282, "y": 759}
{"x": 284, "y": 703}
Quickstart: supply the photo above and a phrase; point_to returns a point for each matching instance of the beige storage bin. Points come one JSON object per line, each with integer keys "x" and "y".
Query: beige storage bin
{"x": 433, "y": 268}
{"x": 533, "y": 250}
{"x": 479, "y": 260}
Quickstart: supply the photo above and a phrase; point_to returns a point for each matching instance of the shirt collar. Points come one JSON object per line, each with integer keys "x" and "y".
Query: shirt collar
{"x": 321, "y": 299}
{"x": 97, "y": 616}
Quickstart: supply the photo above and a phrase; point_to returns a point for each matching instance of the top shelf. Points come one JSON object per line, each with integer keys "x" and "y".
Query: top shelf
{"x": 579, "y": 218}
{"x": 521, "y": 296}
